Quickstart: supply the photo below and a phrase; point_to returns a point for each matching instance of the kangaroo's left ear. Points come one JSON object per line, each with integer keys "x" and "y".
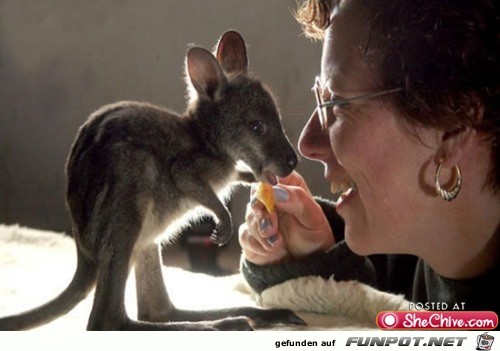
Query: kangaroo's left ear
{"x": 232, "y": 53}
{"x": 205, "y": 73}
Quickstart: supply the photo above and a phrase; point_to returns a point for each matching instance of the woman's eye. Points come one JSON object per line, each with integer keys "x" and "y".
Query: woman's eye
{"x": 258, "y": 127}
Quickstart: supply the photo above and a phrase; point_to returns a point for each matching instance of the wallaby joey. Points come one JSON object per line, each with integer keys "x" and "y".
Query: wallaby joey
{"x": 136, "y": 169}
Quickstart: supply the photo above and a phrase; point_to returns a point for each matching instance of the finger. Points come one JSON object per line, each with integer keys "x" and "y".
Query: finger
{"x": 253, "y": 216}
{"x": 267, "y": 231}
{"x": 263, "y": 226}
{"x": 301, "y": 205}
{"x": 254, "y": 251}
{"x": 249, "y": 244}
{"x": 295, "y": 179}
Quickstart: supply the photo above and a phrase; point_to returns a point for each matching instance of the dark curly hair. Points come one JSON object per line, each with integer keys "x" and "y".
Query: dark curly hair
{"x": 444, "y": 53}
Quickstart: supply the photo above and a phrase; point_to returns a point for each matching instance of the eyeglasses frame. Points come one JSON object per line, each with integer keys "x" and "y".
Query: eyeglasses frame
{"x": 320, "y": 104}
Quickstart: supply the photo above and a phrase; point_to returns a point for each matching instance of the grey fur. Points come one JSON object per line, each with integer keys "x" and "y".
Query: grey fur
{"x": 134, "y": 169}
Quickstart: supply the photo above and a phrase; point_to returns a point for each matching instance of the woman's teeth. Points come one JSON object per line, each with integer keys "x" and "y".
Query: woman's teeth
{"x": 342, "y": 190}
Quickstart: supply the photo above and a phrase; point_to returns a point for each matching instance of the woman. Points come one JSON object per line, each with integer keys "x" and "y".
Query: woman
{"x": 407, "y": 128}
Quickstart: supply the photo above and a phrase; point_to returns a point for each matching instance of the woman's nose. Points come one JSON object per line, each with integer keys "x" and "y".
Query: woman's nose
{"x": 314, "y": 142}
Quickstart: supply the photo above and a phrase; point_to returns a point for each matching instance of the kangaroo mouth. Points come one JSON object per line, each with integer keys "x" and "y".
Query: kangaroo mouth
{"x": 269, "y": 177}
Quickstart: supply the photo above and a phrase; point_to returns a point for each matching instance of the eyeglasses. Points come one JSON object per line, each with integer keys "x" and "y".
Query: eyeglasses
{"x": 323, "y": 105}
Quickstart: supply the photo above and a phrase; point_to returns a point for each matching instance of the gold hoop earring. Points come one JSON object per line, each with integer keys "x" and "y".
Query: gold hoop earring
{"x": 448, "y": 195}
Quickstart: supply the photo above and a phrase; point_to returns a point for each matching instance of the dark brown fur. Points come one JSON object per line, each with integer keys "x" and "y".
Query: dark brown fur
{"x": 134, "y": 169}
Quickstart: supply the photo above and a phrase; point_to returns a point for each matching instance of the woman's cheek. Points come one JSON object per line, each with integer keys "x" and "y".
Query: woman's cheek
{"x": 339, "y": 138}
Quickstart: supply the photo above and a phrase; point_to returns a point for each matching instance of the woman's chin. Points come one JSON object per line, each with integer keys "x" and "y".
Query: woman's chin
{"x": 359, "y": 244}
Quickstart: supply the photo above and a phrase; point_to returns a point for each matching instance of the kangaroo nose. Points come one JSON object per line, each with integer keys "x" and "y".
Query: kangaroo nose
{"x": 291, "y": 162}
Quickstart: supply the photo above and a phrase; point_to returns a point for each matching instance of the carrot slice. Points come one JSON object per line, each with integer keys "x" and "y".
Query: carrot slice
{"x": 265, "y": 194}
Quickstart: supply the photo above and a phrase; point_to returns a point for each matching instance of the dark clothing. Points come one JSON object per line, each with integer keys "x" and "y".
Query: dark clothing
{"x": 399, "y": 274}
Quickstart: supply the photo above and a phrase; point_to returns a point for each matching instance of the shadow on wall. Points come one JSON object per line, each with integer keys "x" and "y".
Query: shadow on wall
{"x": 59, "y": 61}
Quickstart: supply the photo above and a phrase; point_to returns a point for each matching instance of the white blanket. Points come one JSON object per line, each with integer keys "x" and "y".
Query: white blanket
{"x": 36, "y": 265}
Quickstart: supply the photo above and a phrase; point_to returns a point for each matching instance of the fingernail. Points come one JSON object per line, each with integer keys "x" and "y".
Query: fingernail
{"x": 272, "y": 239}
{"x": 265, "y": 223}
{"x": 253, "y": 201}
{"x": 280, "y": 194}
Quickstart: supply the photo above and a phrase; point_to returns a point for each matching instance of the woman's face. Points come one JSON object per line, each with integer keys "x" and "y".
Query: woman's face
{"x": 383, "y": 171}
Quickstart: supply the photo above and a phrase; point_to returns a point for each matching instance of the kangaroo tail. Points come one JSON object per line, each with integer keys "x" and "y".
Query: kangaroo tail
{"x": 82, "y": 283}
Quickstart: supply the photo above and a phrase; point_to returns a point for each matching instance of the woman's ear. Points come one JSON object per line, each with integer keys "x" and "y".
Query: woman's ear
{"x": 456, "y": 144}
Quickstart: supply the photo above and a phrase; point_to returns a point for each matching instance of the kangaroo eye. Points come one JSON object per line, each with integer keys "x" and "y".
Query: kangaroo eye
{"x": 258, "y": 127}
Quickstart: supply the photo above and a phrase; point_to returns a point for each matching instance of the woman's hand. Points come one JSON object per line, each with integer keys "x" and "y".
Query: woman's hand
{"x": 297, "y": 228}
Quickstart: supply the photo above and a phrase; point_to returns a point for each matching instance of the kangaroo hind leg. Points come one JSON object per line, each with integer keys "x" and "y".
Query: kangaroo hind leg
{"x": 153, "y": 302}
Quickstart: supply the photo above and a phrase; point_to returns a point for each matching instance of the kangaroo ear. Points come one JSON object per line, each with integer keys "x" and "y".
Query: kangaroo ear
{"x": 232, "y": 53}
{"x": 205, "y": 73}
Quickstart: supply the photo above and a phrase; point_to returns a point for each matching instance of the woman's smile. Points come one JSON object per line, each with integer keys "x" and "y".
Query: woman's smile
{"x": 342, "y": 192}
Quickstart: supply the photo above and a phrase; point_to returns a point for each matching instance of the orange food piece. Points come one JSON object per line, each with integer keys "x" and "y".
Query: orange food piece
{"x": 265, "y": 194}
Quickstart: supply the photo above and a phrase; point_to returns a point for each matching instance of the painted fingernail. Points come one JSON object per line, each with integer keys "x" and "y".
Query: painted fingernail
{"x": 272, "y": 239}
{"x": 253, "y": 201}
{"x": 280, "y": 194}
{"x": 265, "y": 223}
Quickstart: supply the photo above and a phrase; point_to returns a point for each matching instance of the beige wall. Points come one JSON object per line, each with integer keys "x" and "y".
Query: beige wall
{"x": 61, "y": 59}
